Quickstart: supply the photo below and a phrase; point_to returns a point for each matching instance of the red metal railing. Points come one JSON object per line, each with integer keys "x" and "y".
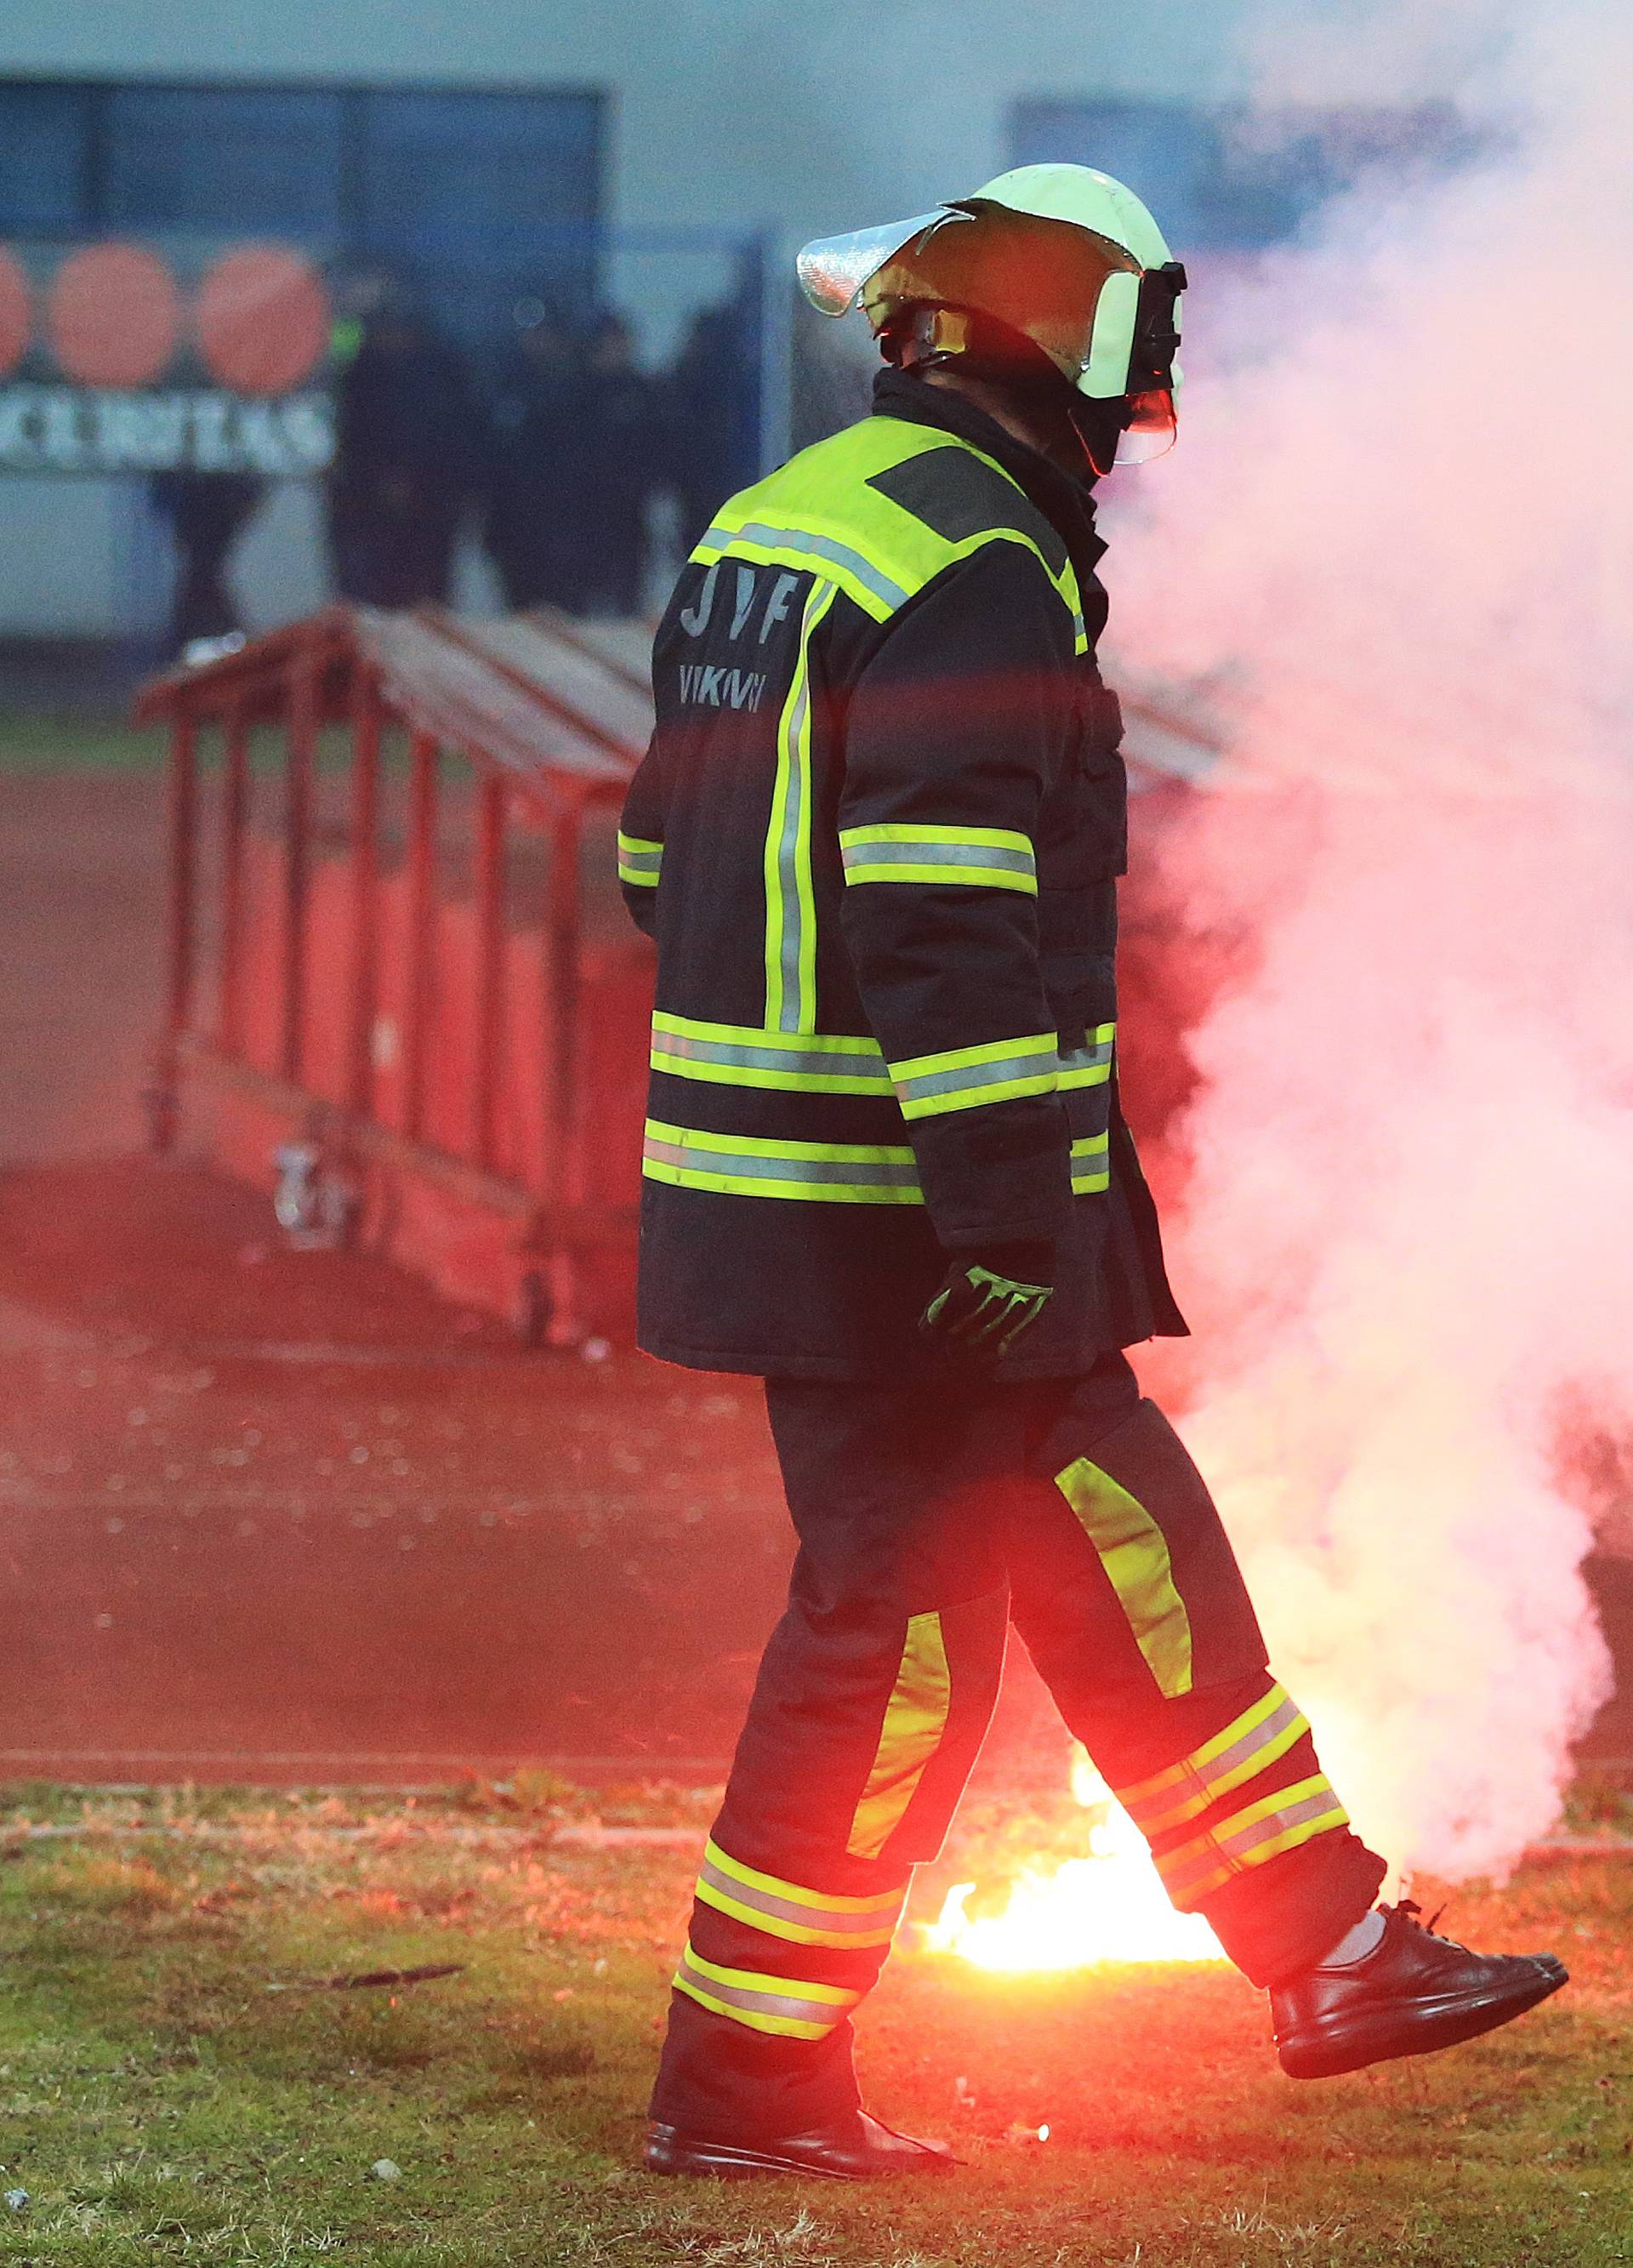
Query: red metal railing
{"x": 368, "y": 709}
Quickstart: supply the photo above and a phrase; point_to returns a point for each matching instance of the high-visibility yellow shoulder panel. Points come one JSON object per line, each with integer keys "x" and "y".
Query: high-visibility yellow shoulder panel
{"x": 821, "y": 513}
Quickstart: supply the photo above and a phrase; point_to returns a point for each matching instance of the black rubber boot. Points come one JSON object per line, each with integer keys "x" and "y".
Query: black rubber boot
{"x": 862, "y": 2150}
{"x": 1412, "y": 1992}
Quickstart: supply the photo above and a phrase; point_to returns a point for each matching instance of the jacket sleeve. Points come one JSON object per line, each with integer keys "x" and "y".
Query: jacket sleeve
{"x": 640, "y": 841}
{"x": 955, "y": 728}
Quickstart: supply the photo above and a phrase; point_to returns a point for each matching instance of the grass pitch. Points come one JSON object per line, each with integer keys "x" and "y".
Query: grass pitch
{"x": 183, "y": 2079}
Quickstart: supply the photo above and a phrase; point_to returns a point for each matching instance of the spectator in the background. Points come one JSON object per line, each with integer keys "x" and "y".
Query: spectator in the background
{"x": 534, "y": 509}
{"x": 356, "y": 296}
{"x": 207, "y": 513}
{"x": 403, "y": 453}
{"x": 710, "y": 440}
{"x": 618, "y": 453}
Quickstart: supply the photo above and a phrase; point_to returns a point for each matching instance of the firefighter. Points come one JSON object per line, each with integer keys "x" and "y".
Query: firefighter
{"x": 877, "y": 838}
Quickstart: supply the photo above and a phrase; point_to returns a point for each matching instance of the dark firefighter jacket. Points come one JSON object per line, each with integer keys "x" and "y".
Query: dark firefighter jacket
{"x": 876, "y": 837}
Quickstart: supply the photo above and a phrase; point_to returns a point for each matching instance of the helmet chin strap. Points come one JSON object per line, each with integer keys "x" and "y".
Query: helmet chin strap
{"x": 965, "y": 340}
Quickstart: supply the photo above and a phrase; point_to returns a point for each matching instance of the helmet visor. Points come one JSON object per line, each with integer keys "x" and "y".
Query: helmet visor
{"x": 1151, "y": 430}
{"x": 833, "y": 269}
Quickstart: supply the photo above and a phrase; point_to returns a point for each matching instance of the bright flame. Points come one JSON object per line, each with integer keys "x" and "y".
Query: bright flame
{"x": 1109, "y": 1906}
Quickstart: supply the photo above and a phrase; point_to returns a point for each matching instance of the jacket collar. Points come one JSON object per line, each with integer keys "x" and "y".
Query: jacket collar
{"x": 1064, "y": 502}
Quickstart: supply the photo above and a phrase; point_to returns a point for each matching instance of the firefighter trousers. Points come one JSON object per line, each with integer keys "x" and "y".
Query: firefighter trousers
{"x": 929, "y": 1519}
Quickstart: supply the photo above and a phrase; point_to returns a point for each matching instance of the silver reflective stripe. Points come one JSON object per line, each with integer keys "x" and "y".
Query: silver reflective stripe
{"x": 867, "y": 1062}
{"x": 1242, "y": 1844}
{"x": 909, "y": 852}
{"x": 1191, "y": 1786}
{"x": 815, "y": 547}
{"x": 1199, "y": 1866}
{"x": 1295, "y": 1815}
{"x": 1085, "y": 1066}
{"x": 791, "y": 2007}
{"x": 794, "y": 905}
{"x": 854, "y": 1165}
{"x": 639, "y": 860}
{"x": 812, "y": 1045}
{"x": 876, "y": 1928}
{"x": 733, "y": 1165}
{"x": 1043, "y": 1065}
{"x": 1091, "y": 1165}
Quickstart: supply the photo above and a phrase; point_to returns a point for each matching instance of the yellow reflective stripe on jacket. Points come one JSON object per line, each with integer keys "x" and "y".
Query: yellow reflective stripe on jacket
{"x": 791, "y": 899}
{"x": 1250, "y": 1744}
{"x": 742, "y": 1055}
{"x": 788, "y": 1910}
{"x": 1134, "y": 1552}
{"x": 915, "y": 1717}
{"x": 1091, "y": 1165}
{"x": 765, "y": 2003}
{"x": 878, "y": 552}
{"x": 1089, "y": 1065}
{"x": 1282, "y": 1822}
{"x": 989, "y": 858}
{"x": 852, "y": 1062}
{"x": 639, "y": 861}
{"x": 959, "y": 1078}
{"x": 806, "y": 550}
{"x": 832, "y": 1172}
{"x": 749, "y": 1165}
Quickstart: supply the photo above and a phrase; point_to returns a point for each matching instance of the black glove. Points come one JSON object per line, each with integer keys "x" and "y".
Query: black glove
{"x": 983, "y": 1306}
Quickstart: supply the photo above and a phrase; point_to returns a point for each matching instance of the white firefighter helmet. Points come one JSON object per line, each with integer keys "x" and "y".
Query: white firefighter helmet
{"x": 1062, "y": 254}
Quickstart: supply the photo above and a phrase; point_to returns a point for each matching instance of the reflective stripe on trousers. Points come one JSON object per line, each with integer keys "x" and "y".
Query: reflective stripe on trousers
{"x": 788, "y": 1910}
{"x": 1250, "y": 1744}
{"x": 1277, "y": 1822}
{"x": 1134, "y": 1552}
{"x": 762, "y": 2001}
{"x": 915, "y": 1719}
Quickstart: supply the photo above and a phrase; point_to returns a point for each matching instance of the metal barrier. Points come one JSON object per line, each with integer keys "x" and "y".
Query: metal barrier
{"x": 276, "y": 983}
{"x": 549, "y": 721}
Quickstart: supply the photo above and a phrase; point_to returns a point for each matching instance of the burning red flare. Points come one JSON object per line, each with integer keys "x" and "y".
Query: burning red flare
{"x": 1109, "y": 1906}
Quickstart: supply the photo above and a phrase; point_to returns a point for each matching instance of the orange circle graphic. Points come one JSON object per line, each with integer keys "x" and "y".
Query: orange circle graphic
{"x": 113, "y": 315}
{"x": 16, "y": 312}
{"x": 261, "y": 318}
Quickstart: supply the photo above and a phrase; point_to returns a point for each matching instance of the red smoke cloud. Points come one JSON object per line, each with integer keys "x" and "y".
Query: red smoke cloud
{"x": 1395, "y": 551}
